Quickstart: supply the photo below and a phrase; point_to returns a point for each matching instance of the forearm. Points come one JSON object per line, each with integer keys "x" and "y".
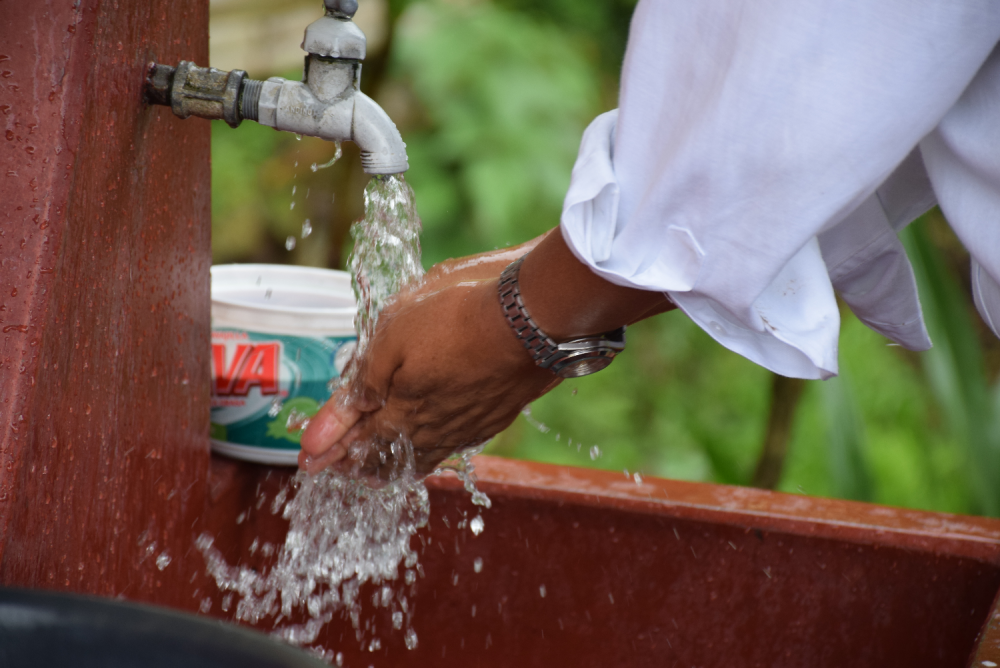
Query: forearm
{"x": 567, "y": 300}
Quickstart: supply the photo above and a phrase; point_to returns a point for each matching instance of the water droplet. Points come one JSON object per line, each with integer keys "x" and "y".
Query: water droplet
{"x": 339, "y": 659}
{"x": 410, "y": 638}
{"x": 541, "y": 591}
{"x": 205, "y": 606}
{"x": 297, "y": 421}
{"x": 336, "y": 156}
{"x": 293, "y": 189}
{"x": 290, "y": 243}
{"x": 595, "y": 452}
{"x": 637, "y": 478}
{"x": 477, "y": 565}
{"x": 374, "y": 645}
{"x": 397, "y": 620}
{"x": 476, "y": 525}
{"x": 275, "y": 407}
{"x": 307, "y": 228}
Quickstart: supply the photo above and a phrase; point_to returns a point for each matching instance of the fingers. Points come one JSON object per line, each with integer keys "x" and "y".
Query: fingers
{"x": 314, "y": 465}
{"x": 321, "y": 439}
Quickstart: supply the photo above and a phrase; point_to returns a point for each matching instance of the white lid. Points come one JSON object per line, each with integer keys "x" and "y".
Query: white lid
{"x": 283, "y": 299}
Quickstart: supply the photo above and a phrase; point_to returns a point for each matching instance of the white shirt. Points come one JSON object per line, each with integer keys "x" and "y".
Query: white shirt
{"x": 766, "y": 152}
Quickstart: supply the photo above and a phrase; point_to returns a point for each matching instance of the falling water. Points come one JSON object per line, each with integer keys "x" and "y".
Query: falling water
{"x": 344, "y": 532}
{"x": 386, "y": 253}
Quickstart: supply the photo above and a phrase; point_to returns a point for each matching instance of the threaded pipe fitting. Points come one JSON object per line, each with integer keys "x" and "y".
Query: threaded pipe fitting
{"x": 250, "y": 99}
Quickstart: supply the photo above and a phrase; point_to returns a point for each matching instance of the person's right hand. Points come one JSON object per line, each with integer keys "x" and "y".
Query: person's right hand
{"x": 443, "y": 371}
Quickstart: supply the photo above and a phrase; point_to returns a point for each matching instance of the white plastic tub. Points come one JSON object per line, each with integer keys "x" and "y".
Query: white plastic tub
{"x": 280, "y": 335}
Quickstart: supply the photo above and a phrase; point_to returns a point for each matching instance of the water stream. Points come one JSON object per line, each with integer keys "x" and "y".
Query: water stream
{"x": 344, "y": 533}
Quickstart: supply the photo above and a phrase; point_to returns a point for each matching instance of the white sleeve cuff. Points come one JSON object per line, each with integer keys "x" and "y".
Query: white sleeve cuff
{"x": 791, "y": 328}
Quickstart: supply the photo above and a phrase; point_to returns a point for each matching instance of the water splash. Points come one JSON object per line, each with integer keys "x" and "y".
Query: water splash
{"x": 461, "y": 465}
{"x": 342, "y": 534}
{"x": 346, "y": 532}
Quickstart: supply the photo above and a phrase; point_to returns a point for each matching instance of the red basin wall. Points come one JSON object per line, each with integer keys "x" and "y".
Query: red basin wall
{"x": 662, "y": 574}
{"x": 104, "y": 298}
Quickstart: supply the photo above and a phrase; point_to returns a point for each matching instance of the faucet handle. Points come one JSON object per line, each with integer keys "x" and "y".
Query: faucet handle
{"x": 341, "y": 9}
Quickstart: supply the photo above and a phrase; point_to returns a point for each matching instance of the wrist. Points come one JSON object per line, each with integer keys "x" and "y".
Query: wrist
{"x": 569, "y": 359}
{"x": 567, "y": 300}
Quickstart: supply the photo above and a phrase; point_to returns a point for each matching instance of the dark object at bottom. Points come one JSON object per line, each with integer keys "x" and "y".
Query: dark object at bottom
{"x": 61, "y": 630}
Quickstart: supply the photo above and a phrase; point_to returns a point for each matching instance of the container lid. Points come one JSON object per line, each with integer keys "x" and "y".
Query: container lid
{"x": 283, "y": 299}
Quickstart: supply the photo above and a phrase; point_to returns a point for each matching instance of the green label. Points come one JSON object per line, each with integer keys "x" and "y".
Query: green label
{"x": 259, "y": 380}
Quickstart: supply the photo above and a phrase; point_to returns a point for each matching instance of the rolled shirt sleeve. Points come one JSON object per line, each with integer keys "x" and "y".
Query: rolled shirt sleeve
{"x": 763, "y": 155}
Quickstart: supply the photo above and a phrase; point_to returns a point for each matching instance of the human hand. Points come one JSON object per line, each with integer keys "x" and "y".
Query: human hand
{"x": 443, "y": 370}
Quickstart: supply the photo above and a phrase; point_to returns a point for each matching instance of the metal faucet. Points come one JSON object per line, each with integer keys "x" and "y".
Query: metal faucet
{"x": 327, "y": 103}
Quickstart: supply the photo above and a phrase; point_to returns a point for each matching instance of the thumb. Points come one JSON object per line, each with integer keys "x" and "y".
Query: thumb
{"x": 326, "y": 428}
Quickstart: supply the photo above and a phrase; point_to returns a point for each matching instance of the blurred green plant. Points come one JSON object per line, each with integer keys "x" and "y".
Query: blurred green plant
{"x": 955, "y": 371}
{"x": 849, "y": 471}
{"x": 505, "y": 99}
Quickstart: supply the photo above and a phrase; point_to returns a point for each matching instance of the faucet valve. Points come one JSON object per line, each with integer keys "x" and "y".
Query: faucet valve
{"x": 341, "y": 9}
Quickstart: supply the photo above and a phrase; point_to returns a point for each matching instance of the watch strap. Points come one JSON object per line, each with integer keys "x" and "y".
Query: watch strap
{"x": 543, "y": 349}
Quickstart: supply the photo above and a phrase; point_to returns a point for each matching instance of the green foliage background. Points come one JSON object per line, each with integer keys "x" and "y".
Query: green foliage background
{"x": 492, "y": 98}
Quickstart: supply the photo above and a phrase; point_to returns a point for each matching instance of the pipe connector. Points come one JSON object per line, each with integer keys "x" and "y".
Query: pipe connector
{"x": 197, "y": 91}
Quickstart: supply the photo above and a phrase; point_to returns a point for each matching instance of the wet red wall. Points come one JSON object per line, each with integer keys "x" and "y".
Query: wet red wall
{"x": 665, "y": 573}
{"x": 104, "y": 308}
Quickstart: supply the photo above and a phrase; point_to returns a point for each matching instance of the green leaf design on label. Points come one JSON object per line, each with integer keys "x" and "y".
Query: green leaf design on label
{"x": 278, "y": 428}
{"x": 218, "y": 432}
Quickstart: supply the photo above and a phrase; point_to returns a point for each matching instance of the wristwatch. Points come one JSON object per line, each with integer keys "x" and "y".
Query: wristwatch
{"x": 570, "y": 359}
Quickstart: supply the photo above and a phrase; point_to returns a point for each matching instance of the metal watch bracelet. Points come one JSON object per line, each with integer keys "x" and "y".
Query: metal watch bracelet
{"x": 570, "y": 359}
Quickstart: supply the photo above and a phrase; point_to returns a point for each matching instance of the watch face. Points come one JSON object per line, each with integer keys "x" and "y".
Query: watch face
{"x": 583, "y": 366}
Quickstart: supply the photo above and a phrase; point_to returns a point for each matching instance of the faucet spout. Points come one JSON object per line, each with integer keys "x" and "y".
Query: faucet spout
{"x": 328, "y": 103}
{"x": 293, "y": 106}
{"x": 382, "y": 148}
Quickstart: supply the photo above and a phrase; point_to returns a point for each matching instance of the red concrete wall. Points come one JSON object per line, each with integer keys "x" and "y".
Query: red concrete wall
{"x": 663, "y": 574}
{"x": 104, "y": 298}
